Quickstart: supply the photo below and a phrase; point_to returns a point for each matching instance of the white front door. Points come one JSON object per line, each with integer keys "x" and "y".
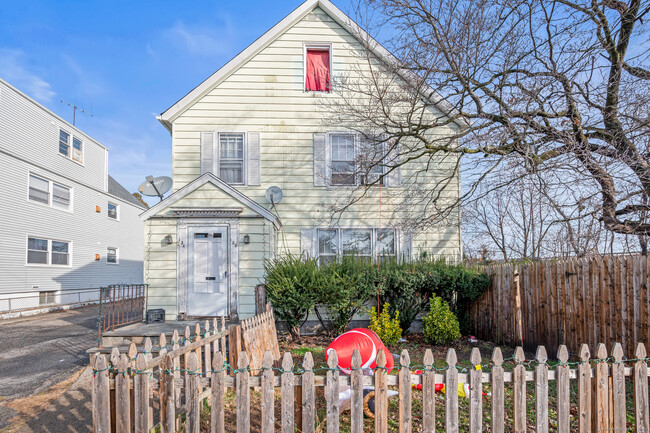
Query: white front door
{"x": 207, "y": 272}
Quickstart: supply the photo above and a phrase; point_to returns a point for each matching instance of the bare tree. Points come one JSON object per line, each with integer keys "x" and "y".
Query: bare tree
{"x": 544, "y": 86}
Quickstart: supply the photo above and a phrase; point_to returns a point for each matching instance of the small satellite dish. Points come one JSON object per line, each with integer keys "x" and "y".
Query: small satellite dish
{"x": 156, "y": 186}
{"x": 274, "y": 194}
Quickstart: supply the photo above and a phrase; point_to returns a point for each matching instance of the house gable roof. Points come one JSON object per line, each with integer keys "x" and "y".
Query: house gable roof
{"x": 168, "y": 116}
{"x": 219, "y": 184}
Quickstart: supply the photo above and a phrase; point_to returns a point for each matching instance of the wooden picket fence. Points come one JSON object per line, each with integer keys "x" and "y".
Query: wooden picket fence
{"x": 181, "y": 382}
{"x": 598, "y": 299}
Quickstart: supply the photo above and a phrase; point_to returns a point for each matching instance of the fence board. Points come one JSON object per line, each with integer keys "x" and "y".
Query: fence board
{"x": 618, "y": 389}
{"x": 519, "y": 390}
{"x": 498, "y": 392}
{"x": 101, "y": 396}
{"x": 287, "y": 380}
{"x": 584, "y": 391}
{"x": 308, "y": 395}
{"x": 332, "y": 393}
{"x": 428, "y": 394}
{"x": 243, "y": 395}
{"x": 541, "y": 391}
{"x": 563, "y": 391}
{"x": 381, "y": 395}
{"x": 268, "y": 396}
{"x": 167, "y": 397}
{"x": 476, "y": 393}
{"x": 641, "y": 390}
{"x": 193, "y": 404}
{"x": 142, "y": 398}
{"x": 217, "y": 415}
{"x": 405, "y": 392}
{"x": 451, "y": 397}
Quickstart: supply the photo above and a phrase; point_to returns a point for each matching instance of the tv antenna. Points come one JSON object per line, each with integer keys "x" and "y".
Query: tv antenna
{"x": 155, "y": 186}
{"x": 74, "y": 111}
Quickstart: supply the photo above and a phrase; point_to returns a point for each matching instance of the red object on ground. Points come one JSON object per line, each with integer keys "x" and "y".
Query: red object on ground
{"x": 368, "y": 344}
{"x": 318, "y": 71}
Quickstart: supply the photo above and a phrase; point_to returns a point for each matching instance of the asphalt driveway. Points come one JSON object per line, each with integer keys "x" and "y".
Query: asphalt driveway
{"x": 40, "y": 351}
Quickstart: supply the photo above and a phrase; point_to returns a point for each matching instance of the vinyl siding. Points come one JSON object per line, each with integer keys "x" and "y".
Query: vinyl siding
{"x": 36, "y": 130}
{"x": 266, "y": 96}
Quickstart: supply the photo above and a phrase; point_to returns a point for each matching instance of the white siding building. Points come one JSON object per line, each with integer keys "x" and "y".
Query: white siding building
{"x": 256, "y": 123}
{"x": 66, "y": 224}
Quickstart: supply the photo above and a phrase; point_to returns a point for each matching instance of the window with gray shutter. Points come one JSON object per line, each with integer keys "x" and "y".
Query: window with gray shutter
{"x": 320, "y": 159}
{"x": 254, "y": 160}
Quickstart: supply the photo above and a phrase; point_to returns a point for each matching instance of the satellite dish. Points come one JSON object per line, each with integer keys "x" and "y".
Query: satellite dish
{"x": 274, "y": 194}
{"x": 156, "y": 186}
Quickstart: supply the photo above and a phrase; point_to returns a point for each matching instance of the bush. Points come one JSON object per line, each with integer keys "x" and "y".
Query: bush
{"x": 400, "y": 288}
{"x": 290, "y": 288}
{"x": 440, "y": 325}
{"x": 388, "y": 329}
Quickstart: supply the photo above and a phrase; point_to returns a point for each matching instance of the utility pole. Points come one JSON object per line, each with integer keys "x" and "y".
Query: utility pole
{"x": 74, "y": 111}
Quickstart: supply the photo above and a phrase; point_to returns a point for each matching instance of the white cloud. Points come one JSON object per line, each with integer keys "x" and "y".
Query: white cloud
{"x": 14, "y": 69}
{"x": 200, "y": 40}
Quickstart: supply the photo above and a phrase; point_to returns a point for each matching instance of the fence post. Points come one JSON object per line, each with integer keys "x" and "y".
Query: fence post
{"x": 207, "y": 351}
{"x": 563, "y": 392}
{"x": 243, "y": 395}
{"x": 601, "y": 392}
{"x": 475, "y": 393}
{"x": 268, "y": 395}
{"x": 356, "y": 394}
{"x": 381, "y": 394}
{"x": 498, "y": 393}
{"x": 234, "y": 345}
{"x": 332, "y": 392}
{"x": 217, "y": 415}
{"x": 287, "y": 379}
{"x": 541, "y": 390}
{"x": 519, "y": 388}
{"x": 101, "y": 397}
{"x": 308, "y": 395}
{"x": 618, "y": 389}
{"x": 451, "y": 394}
{"x": 641, "y": 390}
{"x": 122, "y": 396}
{"x": 405, "y": 392}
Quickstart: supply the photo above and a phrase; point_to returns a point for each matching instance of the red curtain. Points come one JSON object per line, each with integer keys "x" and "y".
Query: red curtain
{"x": 318, "y": 71}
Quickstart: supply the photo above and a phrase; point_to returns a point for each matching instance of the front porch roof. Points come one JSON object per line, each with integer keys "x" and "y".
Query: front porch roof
{"x": 221, "y": 185}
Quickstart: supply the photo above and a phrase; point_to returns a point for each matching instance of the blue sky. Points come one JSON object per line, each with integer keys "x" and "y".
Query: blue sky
{"x": 127, "y": 62}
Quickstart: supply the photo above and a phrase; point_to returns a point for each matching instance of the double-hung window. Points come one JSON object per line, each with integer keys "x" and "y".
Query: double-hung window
{"x": 111, "y": 255}
{"x": 360, "y": 242}
{"x": 70, "y": 150}
{"x": 49, "y": 193}
{"x": 343, "y": 167}
{"x": 113, "y": 211}
{"x": 231, "y": 158}
{"x": 48, "y": 252}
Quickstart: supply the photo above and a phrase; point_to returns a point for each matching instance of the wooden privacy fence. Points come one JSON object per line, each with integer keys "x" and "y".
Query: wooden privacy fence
{"x": 601, "y": 392}
{"x": 592, "y": 300}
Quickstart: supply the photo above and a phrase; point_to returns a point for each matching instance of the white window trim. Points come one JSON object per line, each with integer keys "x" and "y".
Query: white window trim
{"x": 328, "y": 160}
{"x": 71, "y": 146}
{"x": 117, "y": 211}
{"x": 217, "y": 159}
{"x": 50, "y": 191}
{"x": 49, "y": 252}
{"x": 316, "y": 46}
{"x": 117, "y": 256}
{"x": 374, "y": 244}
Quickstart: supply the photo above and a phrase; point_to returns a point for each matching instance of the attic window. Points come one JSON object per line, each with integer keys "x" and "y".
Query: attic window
{"x": 318, "y": 70}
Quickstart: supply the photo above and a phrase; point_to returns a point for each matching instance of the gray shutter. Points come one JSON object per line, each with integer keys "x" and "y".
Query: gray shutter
{"x": 405, "y": 241}
{"x": 254, "y": 173}
{"x": 207, "y": 152}
{"x": 320, "y": 159}
{"x": 394, "y": 178}
{"x": 307, "y": 242}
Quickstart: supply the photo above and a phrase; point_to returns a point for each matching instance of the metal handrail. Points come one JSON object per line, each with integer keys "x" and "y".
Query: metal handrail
{"x": 12, "y": 301}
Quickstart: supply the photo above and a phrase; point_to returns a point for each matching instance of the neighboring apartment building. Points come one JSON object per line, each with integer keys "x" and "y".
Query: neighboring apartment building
{"x": 257, "y": 123}
{"x": 66, "y": 224}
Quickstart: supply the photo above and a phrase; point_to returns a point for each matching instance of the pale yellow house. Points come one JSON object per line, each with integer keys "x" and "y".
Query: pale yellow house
{"x": 257, "y": 123}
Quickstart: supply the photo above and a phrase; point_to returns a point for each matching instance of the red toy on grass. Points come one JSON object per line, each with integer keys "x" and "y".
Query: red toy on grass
{"x": 368, "y": 344}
